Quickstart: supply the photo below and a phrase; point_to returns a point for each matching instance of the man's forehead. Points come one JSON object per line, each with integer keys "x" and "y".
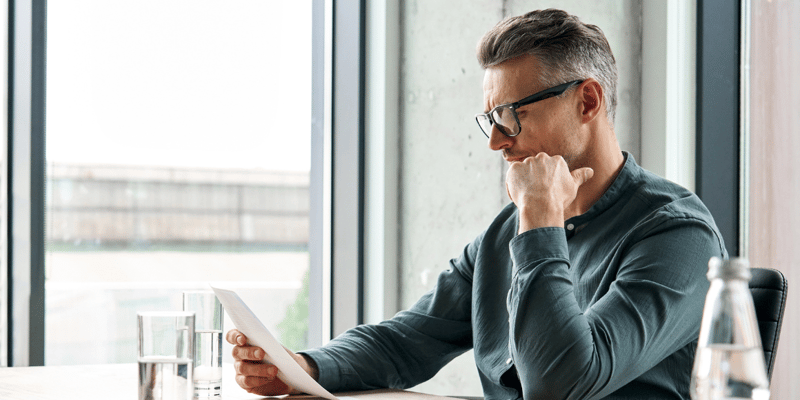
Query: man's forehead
{"x": 510, "y": 80}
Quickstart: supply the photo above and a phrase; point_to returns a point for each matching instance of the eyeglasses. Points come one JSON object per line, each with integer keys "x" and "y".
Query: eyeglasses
{"x": 505, "y": 116}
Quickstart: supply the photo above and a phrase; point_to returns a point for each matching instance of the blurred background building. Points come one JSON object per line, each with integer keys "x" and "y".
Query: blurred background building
{"x": 127, "y": 239}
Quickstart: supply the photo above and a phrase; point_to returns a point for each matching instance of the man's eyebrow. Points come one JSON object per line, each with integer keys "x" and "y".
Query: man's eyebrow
{"x": 501, "y": 104}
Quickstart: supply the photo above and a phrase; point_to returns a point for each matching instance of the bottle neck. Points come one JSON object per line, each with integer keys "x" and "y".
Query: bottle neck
{"x": 729, "y": 315}
{"x": 739, "y": 284}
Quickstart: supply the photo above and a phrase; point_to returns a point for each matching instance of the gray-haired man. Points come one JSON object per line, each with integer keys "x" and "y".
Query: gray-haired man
{"x": 589, "y": 284}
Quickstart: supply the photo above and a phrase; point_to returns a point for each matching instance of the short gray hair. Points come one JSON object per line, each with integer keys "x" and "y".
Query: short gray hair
{"x": 567, "y": 49}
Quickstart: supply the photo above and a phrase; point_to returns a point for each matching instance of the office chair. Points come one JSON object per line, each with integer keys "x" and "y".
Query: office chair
{"x": 768, "y": 287}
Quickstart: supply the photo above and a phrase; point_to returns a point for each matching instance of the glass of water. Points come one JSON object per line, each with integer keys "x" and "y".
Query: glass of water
{"x": 208, "y": 341}
{"x": 166, "y": 350}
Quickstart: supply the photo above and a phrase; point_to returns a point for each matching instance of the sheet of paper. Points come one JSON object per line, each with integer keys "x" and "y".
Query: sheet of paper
{"x": 257, "y": 334}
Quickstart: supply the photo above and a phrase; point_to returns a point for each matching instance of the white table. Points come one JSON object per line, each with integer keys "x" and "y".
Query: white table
{"x": 119, "y": 382}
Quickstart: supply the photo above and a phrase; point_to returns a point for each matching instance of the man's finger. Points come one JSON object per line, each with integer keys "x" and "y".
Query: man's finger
{"x": 249, "y": 382}
{"x": 233, "y": 337}
{"x": 255, "y": 369}
{"x": 581, "y": 175}
{"x": 251, "y": 353}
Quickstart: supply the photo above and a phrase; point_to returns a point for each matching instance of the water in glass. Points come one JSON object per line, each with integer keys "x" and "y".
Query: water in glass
{"x": 731, "y": 372}
{"x": 165, "y": 378}
{"x": 208, "y": 363}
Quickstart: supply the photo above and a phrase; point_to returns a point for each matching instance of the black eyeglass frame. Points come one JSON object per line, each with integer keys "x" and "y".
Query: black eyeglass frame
{"x": 538, "y": 96}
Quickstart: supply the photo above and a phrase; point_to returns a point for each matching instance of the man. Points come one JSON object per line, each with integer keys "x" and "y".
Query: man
{"x": 590, "y": 284}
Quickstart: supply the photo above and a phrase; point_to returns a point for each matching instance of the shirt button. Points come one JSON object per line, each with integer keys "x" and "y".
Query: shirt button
{"x": 570, "y": 227}
{"x": 508, "y": 361}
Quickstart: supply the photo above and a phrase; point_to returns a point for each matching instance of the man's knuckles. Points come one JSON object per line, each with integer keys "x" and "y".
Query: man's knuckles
{"x": 239, "y": 353}
{"x": 250, "y": 381}
{"x": 241, "y": 380}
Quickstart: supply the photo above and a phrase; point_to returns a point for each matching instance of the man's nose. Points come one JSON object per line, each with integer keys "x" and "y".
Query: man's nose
{"x": 499, "y": 141}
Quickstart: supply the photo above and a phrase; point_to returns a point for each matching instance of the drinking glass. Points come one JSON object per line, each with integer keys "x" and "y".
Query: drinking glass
{"x": 208, "y": 341}
{"x": 166, "y": 350}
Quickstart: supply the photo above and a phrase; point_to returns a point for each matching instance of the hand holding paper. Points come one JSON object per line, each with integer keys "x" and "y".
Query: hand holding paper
{"x": 258, "y": 335}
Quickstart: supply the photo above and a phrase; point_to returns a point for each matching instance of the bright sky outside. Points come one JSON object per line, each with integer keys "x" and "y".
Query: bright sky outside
{"x": 179, "y": 83}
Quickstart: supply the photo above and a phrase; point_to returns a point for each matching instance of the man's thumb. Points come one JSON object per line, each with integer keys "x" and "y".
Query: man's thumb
{"x": 582, "y": 175}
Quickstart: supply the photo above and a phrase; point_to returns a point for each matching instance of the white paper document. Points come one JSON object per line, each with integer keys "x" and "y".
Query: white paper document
{"x": 258, "y": 335}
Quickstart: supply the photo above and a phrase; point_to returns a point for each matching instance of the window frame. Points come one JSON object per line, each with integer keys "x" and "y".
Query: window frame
{"x": 26, "y": 183}
{"x": 347, "y": 169}
{"x": 5, "y": 296}
{"x": 718, "y": 173}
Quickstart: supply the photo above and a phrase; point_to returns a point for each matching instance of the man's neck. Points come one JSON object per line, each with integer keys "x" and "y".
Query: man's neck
{"x": 607, "y": 163}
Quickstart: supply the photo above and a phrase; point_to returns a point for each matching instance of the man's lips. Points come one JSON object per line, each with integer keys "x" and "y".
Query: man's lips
{"x": 510, "y": 159}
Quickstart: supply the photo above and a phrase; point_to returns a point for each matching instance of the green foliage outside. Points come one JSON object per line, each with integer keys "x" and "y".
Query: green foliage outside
{"x": 294, "y": 327}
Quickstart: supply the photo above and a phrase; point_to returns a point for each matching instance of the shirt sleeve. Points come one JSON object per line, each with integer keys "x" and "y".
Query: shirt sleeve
{"x": 412, "y": 346}
{"x": 651, "y": 310}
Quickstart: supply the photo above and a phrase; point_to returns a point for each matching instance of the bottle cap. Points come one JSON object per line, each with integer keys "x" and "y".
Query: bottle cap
{"x": 732, "y": 268}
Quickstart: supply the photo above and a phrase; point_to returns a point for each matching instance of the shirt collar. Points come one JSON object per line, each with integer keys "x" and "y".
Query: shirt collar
{"x": 626, "y": 177}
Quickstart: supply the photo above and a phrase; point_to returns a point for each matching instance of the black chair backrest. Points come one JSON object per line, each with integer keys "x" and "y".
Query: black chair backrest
{"x": 768, "y": 287}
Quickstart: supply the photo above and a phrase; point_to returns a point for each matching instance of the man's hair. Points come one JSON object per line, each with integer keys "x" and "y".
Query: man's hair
{"x": 566, "y": 48}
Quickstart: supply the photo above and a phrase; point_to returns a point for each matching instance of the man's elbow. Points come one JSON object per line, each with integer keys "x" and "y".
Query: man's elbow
{"x": 566, "y": 381}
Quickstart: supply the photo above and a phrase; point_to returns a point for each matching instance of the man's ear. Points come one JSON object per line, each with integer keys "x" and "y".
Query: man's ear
{"x": 591, "y": 99}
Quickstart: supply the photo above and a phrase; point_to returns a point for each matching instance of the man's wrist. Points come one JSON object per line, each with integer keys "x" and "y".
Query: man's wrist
{"x": 534, "y": 219}
{"x": 312, "y": 370}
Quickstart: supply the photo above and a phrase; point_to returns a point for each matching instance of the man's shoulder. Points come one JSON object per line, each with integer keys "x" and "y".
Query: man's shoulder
{"x": 665, "y": 204}
{"x": 665, "y": 196}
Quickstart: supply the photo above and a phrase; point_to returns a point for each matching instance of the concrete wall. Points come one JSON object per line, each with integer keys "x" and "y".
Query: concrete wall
{"x": 451, "y": 184}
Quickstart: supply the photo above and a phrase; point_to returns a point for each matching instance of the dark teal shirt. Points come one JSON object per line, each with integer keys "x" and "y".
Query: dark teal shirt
{"x": 608, "y": 306}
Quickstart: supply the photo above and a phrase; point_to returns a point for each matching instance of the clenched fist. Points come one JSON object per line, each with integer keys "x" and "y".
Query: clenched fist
{"x": 542, "y": 188}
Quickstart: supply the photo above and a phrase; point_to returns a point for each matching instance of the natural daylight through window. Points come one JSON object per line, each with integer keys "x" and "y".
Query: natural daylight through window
{"x": 178, "y": 154}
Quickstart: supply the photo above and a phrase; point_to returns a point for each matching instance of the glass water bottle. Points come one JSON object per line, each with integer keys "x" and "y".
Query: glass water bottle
{"x": 729, "y": 363}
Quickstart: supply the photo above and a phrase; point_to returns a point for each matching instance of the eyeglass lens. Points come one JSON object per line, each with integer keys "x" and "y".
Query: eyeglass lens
{"x": 506, "y": 125}
{"x": 504, "y": 120}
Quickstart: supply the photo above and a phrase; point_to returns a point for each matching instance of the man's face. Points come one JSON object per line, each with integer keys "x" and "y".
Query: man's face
{"x": 551, "y": 126}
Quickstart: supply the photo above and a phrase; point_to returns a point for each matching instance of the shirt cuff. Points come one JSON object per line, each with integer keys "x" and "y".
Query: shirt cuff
{"x": 330, "y": 376}
{"x": 533, "y": 246}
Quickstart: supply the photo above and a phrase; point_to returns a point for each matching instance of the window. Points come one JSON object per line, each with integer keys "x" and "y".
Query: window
{"x": 178, "y": 154}
{"x": 333, "y": 305}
